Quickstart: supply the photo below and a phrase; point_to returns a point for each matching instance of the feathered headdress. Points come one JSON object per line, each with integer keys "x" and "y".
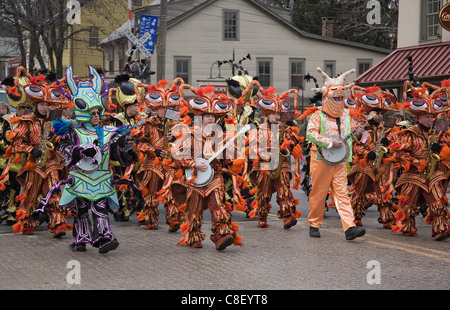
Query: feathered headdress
{"x": 205, "y": 101}
{"x": 157, "y": 96}
{"x": 373, "y": 98}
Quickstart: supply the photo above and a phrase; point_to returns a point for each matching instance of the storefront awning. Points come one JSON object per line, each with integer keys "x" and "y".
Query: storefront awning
{"x": 430, "y": 63}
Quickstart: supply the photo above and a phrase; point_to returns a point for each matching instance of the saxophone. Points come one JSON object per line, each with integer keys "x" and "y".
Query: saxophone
{"x": 275, "y": 174}
{"x": 380, "y": 151}
{"x": 432, "y": 158}
{"x": 166, "y": 143}
{"x": 45, "y": 146}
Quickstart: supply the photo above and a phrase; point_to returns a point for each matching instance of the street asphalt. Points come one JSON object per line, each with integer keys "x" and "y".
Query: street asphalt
{"x": 272, "y": 258}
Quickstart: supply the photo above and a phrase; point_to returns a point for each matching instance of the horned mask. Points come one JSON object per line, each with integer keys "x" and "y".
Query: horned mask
{"x": 333, "y": 93}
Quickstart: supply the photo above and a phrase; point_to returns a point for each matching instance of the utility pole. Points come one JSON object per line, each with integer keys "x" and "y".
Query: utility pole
{"x": 161, "y": 56}
{"x": 130, "y": 23}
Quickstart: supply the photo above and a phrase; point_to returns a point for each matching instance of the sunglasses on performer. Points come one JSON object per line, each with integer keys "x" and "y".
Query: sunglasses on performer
{"x": 95, "y": 113}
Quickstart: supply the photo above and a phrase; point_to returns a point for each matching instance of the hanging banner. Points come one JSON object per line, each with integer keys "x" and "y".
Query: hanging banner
{"x": 148, "y": 24}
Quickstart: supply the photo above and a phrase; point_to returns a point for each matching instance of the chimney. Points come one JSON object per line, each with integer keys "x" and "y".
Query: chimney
{"x": 327, "y": 26}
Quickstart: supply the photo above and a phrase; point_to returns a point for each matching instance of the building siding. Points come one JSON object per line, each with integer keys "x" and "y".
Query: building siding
{"x": 200, "y": 37}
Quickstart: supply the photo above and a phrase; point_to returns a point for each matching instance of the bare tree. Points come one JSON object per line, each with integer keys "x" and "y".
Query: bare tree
{"x": 37, "y": 22}
{"x": 350, "y": 20}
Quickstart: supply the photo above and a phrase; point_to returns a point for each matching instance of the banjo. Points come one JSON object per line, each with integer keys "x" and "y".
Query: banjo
{"x": 337, "y": 155}
{"x": 205, "y": 177}
{"x": 91, "y": 164}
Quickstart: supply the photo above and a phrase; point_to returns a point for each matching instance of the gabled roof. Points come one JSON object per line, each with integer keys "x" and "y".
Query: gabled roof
{"x": 116, "y": 34}
{"x": 429, "y": 61}
{"x": 174, "y": 19}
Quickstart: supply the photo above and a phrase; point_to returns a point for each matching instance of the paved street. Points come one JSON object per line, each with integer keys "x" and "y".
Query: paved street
{"x": 271, "y": 259}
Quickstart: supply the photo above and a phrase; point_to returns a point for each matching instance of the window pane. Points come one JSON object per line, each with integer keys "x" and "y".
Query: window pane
{"x": 329, "y": 70}
{"x": 296, "y": 74}
{"x": 264, "y": 80}
{"x": 230, "y": 25}
{"x": 264, "y": 73}
{"x": 296, "y": 80}
{"x": 93, "y": 36}
{"x": 296, "y": 68}
{"x": 182, "y": 69}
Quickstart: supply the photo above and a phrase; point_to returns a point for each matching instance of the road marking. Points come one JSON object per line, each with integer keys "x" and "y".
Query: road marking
{"x": 411, "y": 251}
{"x": 414, "y": 246}
{"x": 7, "y": 234}
{"x": 402, "y": 247}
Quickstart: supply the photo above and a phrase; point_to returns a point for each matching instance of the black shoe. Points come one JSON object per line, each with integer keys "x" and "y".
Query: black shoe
{"x": 290, "y": 223}
{"x": 354, "y": 232}
{"x": 80, "y": 247}
{"x": 108, "y": 245}
{"x": 314, "y": 232}
{"x": 175, "y": 228}
{"x": 120, "y": 217}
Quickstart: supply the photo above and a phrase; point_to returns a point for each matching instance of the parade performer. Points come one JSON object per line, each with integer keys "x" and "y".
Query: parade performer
{"x": 87, "y": 149}
{"x": 423, "y": 153}
{"x": 7, "y": 196}
{"x": 372, "y": 171}
{"x": 33, "y": 145}
{"x": 326, "y": 128}
{"x": 242, "y": 114}
{"x": 271, "y": 170}
{"x": 128, "y": 103}
{"x": 154, "y": 137}
{"x": 23, "y": 105}
{"x": 192, "y": 194}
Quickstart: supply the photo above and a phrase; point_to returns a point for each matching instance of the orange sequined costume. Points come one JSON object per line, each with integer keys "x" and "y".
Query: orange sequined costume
{"x": 194, "y": 199}
{"x": 153, "y": 140}
{"x": 372, "y": 172}
{"x": 35, "y": 177}
{"x": 271, "y": 170}
{"x": 420, "y": 183}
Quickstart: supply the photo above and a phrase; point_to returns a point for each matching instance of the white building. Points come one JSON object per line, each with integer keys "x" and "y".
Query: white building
{"x": 200, "y": 33}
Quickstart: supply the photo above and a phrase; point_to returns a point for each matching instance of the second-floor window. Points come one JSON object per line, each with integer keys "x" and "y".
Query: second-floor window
{"x": 430, "y": 19}
{"x": 183, "y": 68}
{"x": 230, "y": 25}
{"x": 93, "y": 36}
